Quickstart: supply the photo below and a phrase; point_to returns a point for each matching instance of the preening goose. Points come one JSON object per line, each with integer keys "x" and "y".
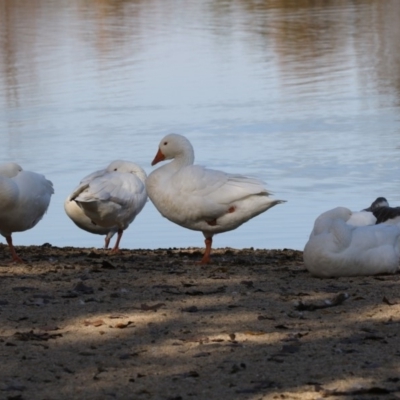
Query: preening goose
{"x": 111, "y": 199}
{"x": 82, "y": 221}
{"x": 77, "y": 215}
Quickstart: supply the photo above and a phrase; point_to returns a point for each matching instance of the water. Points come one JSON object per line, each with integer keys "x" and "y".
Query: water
{"x": 304, "y": 95}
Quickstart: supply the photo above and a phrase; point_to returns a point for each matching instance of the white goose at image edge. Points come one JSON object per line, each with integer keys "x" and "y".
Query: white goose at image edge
{"x": 24, "y": 199}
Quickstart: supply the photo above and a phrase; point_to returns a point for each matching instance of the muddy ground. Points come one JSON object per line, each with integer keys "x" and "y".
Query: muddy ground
{"x": 78, "y": 323}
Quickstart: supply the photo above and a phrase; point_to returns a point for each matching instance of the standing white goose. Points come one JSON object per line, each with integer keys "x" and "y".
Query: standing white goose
{"x": 24, "y": 198}
{"x": 112, "y": 198}
{"x": 203, "y": 199}
{"x": 338, "y": 248}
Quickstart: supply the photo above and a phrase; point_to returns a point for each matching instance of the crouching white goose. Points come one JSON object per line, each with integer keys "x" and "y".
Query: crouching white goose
{"x": 336, "y": 248}
{"x": 203, "y": 199}
{"x": 109, "y": 200}
{"x": 24, "y": 198}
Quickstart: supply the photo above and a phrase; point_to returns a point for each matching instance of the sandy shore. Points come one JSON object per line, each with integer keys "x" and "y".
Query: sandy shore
{"x": 77, "y": 323}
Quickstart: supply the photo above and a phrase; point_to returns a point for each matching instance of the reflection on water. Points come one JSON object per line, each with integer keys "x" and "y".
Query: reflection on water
{"x": 302, "y": 94}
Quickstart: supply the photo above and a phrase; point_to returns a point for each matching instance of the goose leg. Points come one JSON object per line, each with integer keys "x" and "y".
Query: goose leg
{"x": 116, "y": 246}
{"x": 14, "y": 254}
{"x": 206, "y": 257}
{"x": 108, "y": 239}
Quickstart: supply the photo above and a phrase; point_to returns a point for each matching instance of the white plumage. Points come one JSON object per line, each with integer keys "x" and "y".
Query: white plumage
{"x": 337, "y": 247}
{"x": 24, "y": 198}
{"x": 203, "y": 199}
{"x": 108, "y": 200}
{"x": 77, "y": 215}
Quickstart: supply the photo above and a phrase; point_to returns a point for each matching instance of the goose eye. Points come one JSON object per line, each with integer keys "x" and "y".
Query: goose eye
{"x": 115, "y": 169}
{"x": 165, "y": 143}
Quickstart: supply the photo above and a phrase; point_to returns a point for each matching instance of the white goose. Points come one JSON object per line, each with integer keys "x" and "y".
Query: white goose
{"x": 24, "y": 198}
{"x": 338, "y": 248}
{"x": 111, "y": 199}
{"x": 202, "y": 199}
{"x": 77, "y": 215}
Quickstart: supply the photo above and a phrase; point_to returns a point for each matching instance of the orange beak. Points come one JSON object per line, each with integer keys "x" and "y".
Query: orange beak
{"x": 159, "y": 157}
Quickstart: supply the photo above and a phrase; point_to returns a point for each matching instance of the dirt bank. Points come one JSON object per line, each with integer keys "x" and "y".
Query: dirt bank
{"x": 78, "y": 323}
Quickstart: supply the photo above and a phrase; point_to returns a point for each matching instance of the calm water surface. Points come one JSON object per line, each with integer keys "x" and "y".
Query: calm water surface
{"x": 304, "y": 95}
